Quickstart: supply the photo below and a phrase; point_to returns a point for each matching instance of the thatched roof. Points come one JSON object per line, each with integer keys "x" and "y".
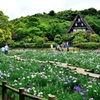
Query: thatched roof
{"x": 83, "y": 21}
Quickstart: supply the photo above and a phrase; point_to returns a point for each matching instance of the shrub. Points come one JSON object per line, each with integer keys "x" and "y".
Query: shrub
{"x": 58, "y": 38}
{"x": 80, "y": 34}
{"x": 88, "y": 45}
{"x": 67, "y": 37}
{"x": 94, "y": 38}
{"x": 47, "y": 45}
{"x": 27, "y": 39}
{"x": 21, "y": 44}
{"x": 78, "y": 39}
{"x": 39, "y": 42}
{"x": 11, "y": 43}
{"x": 30, "y": 45}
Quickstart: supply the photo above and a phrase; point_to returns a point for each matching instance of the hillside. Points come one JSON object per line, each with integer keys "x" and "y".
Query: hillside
{"x": 50, "y": 24}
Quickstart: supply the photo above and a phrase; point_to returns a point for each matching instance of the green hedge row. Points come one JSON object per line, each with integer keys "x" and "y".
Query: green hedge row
{"x": 30, "y": 45}
{"x": 88, "y": 45}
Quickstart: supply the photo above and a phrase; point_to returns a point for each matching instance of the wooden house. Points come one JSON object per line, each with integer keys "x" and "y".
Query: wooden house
{"x": 79, "y": 24}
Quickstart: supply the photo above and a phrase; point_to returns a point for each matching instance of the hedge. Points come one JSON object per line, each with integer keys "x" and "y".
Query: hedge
{"x": 88, "y": 45}
{"x": 30, "y": 45}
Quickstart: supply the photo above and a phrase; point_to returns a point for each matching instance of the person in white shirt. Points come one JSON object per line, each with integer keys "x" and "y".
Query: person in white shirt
{"x": 51, "y": 46}
{"x": 3, "y": 50}
{"x": 6, "y": 48}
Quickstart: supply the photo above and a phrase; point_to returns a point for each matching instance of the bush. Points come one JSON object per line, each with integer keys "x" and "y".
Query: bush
{"x": 68, "y": 37}
{"x": 11, "y": 43}
{"x": 88, "y": 45}
{"x": 39, "y": 42}
{"x": 20, "y": 44}
{"x": 78, "y": 39}
{"x": 58, "y": 38}
{"x": 30, "y": 45}
{"x": 95, "y": 38}
{"x": 47, "y": 45}
{"x": 27, "y": 39}
{"x": 27, "y": 45}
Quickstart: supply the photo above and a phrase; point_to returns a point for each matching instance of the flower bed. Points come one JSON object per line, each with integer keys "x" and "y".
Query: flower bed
{"x": 42, "y": 79}
{"x": 88, "y": 60}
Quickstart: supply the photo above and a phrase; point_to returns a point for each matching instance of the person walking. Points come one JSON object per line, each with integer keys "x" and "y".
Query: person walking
{"x": 67, "y": 46}
{"x": 3, "y": 50}
{"x": 6, "y": 48}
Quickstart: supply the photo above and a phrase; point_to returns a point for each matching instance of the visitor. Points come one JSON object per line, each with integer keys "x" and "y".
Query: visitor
{"x": 51, "y": 46}
{"x": 67, "y": 46}
{"x": 62, "y": 46}
{"x": 3, "y": 50}
{"x": 58, "y": 48}
{"x": 6, "y": 48}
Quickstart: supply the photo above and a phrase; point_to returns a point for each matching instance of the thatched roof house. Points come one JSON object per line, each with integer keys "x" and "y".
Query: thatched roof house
{"x": 79, "y": 24}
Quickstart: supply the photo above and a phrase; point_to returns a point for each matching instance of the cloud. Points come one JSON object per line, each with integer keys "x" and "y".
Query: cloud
{"x": 84, "y": 4}
{"x": 18, "y": 8}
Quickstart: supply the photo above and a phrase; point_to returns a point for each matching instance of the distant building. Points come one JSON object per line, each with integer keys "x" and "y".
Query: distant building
{"x": 79, "y": 24}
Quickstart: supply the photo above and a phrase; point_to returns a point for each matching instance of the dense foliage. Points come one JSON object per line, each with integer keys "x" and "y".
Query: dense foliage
{"x": 5, "y": 31}
{"x": 47, "y": 26}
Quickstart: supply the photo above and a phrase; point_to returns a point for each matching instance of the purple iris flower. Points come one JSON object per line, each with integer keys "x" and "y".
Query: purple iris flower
{"x": 77, "y": 88}
{"x": 84, "y": 92}
{"x": 65, "y": 82}
{"x": 73, "y": 78}
{"x": 29, "y": 86}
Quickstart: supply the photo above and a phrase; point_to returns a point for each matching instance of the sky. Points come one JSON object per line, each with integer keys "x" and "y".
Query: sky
{"x": 18, "y": 8}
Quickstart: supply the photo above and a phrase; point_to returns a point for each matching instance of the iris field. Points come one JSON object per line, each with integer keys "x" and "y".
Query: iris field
{"x": 20, "y": 68}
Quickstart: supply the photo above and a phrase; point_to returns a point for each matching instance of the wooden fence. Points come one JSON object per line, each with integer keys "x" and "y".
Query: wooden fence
{"x": 21, "y": 93}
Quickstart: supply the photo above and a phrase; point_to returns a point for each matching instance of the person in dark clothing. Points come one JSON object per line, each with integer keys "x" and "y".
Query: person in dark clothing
{"x": 67, "y": 46}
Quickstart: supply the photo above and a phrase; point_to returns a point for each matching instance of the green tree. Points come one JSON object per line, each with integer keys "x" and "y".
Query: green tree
{"x": 3, "y": 21}
{"x": 52, "y": 13}
{"x": 94, "y": 38}
{"x": 1, "y": 35}
{"x": 58, "y": 38}
{"x": 79, "y": 37}
{"x": 90, "y": 11}
{"x": 88, "y": 33}
{"x": 5, "y": 35}
{"x": 94, "y": 22}
{"x": 39, "y": 41}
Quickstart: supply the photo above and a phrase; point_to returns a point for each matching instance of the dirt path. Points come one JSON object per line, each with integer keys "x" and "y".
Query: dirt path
{"x": 76, "y": 69}
{"x": 64, "y": 65}
{"x": 79, "y": 70}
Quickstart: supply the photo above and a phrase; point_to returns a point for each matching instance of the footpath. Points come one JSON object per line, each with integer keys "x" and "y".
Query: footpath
{"x": 78, "y": 70}
{"x": 64, "y": 65}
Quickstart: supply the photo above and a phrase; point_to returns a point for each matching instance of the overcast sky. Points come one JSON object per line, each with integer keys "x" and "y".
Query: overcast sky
{"x": 17, "y": 8}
